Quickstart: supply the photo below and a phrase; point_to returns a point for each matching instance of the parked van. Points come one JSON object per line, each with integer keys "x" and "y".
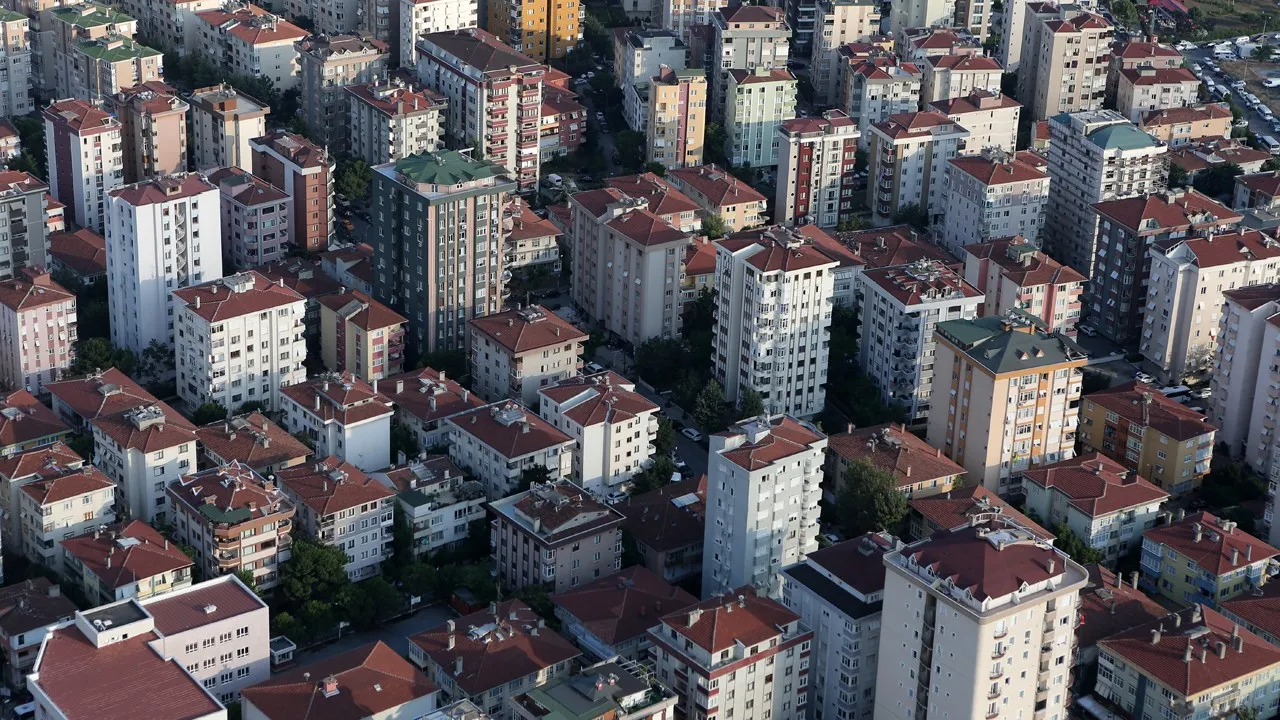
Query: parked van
{"x": 1273, "y": 146}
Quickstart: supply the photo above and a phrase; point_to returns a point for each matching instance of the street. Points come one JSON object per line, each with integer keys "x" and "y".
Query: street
{"x": 1257, "y": 123}
{"x": 395, "y": 635}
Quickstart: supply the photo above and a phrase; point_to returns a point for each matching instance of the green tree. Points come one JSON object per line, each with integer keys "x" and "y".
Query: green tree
{"x": 659, "y": 361}
{"x": 1246, "y": 713}
{"x": 1271, "y": 165}
{"x": 655, "y": 476}
{"x": 34, "y": 158}
{"x": 289, "y": 626}
{"x": 368, "y": 603}
{"x": 1075, "y": 548}
{"x": 253, "y": 406}
{"x": 312, "y": 573}
{"x": 96, "y": 353}
{"x": 1218, "y": 180}
{"x": 209, "y": 412}
{"x": 708, "y": 409}
{"x": 656, "y": 168}
{"x": 713, "y": 145}
{"x": 353, "y": 179}
{"x": 246, "y": 577}
{"x": 664, "y": 441}
{"x": 713, "y": 226}
{"x": 156, "y": 365}
{"x": 82, "y": 444}
{"x": 318, "y": 617}
{"x": 629, "y": 145}
{"x": 860, "y": 160}
{"x": 535, "y": 474}
{"x": 453, "y": 363}
{"x": 850, "y": 224}
{"x": 403, "y": 441}
{"x": 1263, "y": 52}
{"x": 419, "y": 579}
{"x": 1124, "y": 12}
{"x": 750, "y": 404}
{"x": 536, "y": 597}
{"x": 912, "y": 214}
{"x": 869, "y": 500}
{"x": 1177, "y": 176}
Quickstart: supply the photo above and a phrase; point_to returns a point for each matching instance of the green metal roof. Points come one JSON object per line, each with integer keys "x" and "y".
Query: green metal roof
{"x": 217, "y": 515}
{"x": 126, "y": 50}
{"x": 992, "y": 343}
{"x": 89, "y": 15}
{"x": 10, "y": 16}
{"x": 447, "y": 167}
{"x": 1121, "y": 137}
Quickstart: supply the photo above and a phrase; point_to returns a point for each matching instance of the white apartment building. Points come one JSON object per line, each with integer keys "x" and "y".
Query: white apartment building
{"x": 1104, "y": 503}
{"x": 756, "y": 104}
{"x": 424, "y": 399}
{"x": 1012, "y": 274}
{"x": 613, "y": 427}
{"x": 774, "y": 293}
{"x": 683, "y": 16}
{"x": 340, "y": 506}
{"x": 838, "y": 592}
{"x": 757, "y": 526}
{"x": 15, "y": 38}
{"x": 910, "y": 156}
{"x": 223, "y": 121}
{"x": 496, "y": 443}
{"x": 516, "y": 353}
{"x": 958, "y": 76}
{"x": 438, "y": 501}
{"x": 979, "y": 621}
{"x": 817, "y": 175}
{"x": 391, "y": 120}
{"x": 875, "y": 89}
{"x": 1143, "y": 89}
{"x": 238, "y": 339}
{"x": 1243, "y": 403}
{"x": 1185, "y": 294}
{"x": 420, "y": 17}
{"x": 990, "y": 117}
{"x": 62, "y": 504}
{"x": 638, "y": 56}
{"x": 244, "y": 39}
{"x": 993, "y": 195}
{"x": 162, "y": 235}
{"x": 1094, "y": 156}
{"x": 24, "y": 468}
{"x": 37, "y": 330}
{"x": 142, "y": 450}
{"x": 901, "y": 306}
{"x": 744, "y": 655}
{"x": 86, "y": 160}
{"x": 343, "y": 416}
{"x": 837, "y": 23}
{"x": 744, "y": 37}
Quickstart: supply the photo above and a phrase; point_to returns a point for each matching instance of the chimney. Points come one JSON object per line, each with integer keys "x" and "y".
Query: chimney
{"x": 1204, "y": 654}
{"x": 399, "y": 386}
{"x": 317, "y": 403}
{"x": 330, "y": 686}
{"x": 1222, "y": 650}
{"x": 1248, "y": 553}
{"x": 1198, "y": 530}
{"x": 1186, "y": 655}
{"x": 1155, "y": 637}
{"x": 1235, "y": 556}
{"x": 1180, "y": 514}
{"x": 457, "y": 665}
{"x": 55, "y": 591}
{"x": 1177, "y": 620}
{"x": 1133, "y": 579}
{"x": 1051, "y": 565}
{"x": 452, "y": 641}
{"x": 1237, "y": 643}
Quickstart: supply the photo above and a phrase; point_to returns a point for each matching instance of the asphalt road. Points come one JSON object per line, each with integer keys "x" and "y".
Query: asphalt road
{"x": 1259, "y": 126}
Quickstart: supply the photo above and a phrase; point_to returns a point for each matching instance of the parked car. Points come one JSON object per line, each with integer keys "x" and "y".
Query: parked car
{"x": 591, "y": 368}
{"x": 1271, "y": 82}
{"x": 1201, "y": 394}
{"x": 615, "y": 497}
{"x": 1087, "y": 330}
{"x": 1145, "y": 378}
{"x": 692, "y": 434}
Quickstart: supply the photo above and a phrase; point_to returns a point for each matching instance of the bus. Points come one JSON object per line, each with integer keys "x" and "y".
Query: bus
{"x": 1273, "y": 146}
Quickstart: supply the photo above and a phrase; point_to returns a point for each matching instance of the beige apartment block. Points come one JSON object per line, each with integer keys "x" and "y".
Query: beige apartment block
{"x": 1139, "y": 54}
{"x": 990, "y": 117}
{"x": 720, "y": 194}
{"x": 69, "y": 25}
{"x": 638, "y": 55}
{"x": 517, "y": 352}
{"x": 1016, "y": 278}
{"x": 1180, "y": 126}
{"x": 85, "y": 159}
{"x": 602, "y": 411}
{"x": 1064, "y": 61}
{"x": 837, "y": 23}
{"x": 62, "y": 504}
{"x": 1142, "y": 90}
{"x": 153, "y": 128}
{"x": 223, "y": 121}
{"x": 532, "y": 242}
{"x": 107, "y": 65}
{"x": 24, "y": 468}
{"x": 244, "y": 39}
{"x": 390, "y": 120}
{"x": 909, "y": 156}
{"x": 953, "y": 76}
{"x": 677, "y": 117}
{"x": 129, "y": 559}
{"x": 361, "y": 335}
{"x": 327, "y": 65}
{"x": 1005, "y": 398}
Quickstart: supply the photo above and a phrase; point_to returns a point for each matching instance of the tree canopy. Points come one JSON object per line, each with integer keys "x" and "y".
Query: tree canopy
{"x": 209, "y": 412}
{"x": 869, "y": 500}
{"x": 1075, "y": 548}
{"x": 1218, "y": 180}
{"x": 312, "y": 573}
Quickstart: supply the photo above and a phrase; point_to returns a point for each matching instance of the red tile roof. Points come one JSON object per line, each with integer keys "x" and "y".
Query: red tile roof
{"x": 67, "y": 485}
{"x": 604, "y": 397}
{"x": 803, "y": 126}
{"x": 1220, "y": 542}
{"x": 510, "y": 429}
{"x": 965, "y": 63}
{"x": 558, "y": 510}
{"x": 84, "y": 251}
{"x": 229, "y": 494}
{"x": 1029, "y": 268}
{"x": 234, "y": 296}
{"x": 495, "y": 647}
{"x": 32, "y": 289}
{"x": 1260, "y": 611}
{"x": 117, "y": 562}
{"x": 20, "y": 181}
{"x": 1109, "y": 606}
{"x": 664, "y": 199}
{"x": 428, "y": 395}
{"x": 362, "y": 311}
{"x": 80, "y": 116}
{"x": 786, "y": 437}
{"x": 988, "y": 560}
{"x": 624, "y": 605}
{"x": 700, "y": 258}
{"x": 740, "y": 616}
{"x": 525, "y": 224}
{"x": 52, "y": 457}
{"x": 920, "y": 282}
{"x": 1228, "y": 248}
{"x": 754, "y": 77}
{"x": 962, "y": 506}
{"x": 1138, "y": 49}
{"x": 917, "y": 124}
{"x": 859, "y": 563}
{"x": 1095, "y": 484}
{"x": 32, "y": 604}
{"x": 24, "y": 419}
{"x": 1267, "y": 183}
{"x": 302, "y": 276}
{"x": 1166, "y": 416}
{"x": 147, "y": 429}
{"x": 776, "y": 249}
{"x": 1175, "y": 116}
{"x": 976, "y": 101}
{"x": 740, "y": 13}
{"x": 1159, "y": 76}
{"x": 253, "y": 25}
{"x": 331, "y": 485}
{"x": 658, "y": 522}
{"x": 993, "y": 172}
{"x": 890, "y": 447}
{"x": 245, "y": 188}
{"x": 295, "y": 148}
{"x": 478, "y": 49}
{"x": 646, "y": 229}
{"x": 398, "y": 100}
{"x": 532, "y": 328}
{"x": 105, "y": 393}
{"x": 251, "y": 439}
{"x": 188, "y": 609}
{"x": 339, "y": 397}
{"x": 715, "y": 184}
{"x": 881, "y": 247}
{"x": 1200, "y": 630}
{"x": 1164, "y": 213}
{"x": 168, "y": 188}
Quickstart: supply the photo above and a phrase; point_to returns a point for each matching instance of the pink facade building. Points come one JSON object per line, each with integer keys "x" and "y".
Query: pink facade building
{"x": 1012, "y": 274}
{"x": 37, "y": 330}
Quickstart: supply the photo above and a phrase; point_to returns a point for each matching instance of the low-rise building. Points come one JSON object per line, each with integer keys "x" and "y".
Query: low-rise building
{"x": 235, "y": 520}
{"x": 960, "y": 76}
{"x": 1015, "y": 277}
{"x": 38, "y": 330}
{"x": 424, "y": 399}
{"x": 517, "y": 352}
{"x": 554, "y": 535}
{"x": 126, "y": 560}
{"x": 610, "y": 617}
{"x": 490, "y": 656}
{"x": 993, "y": 195}
{"x": 336, "y": 502}
{"x": 82, "y": 254}
{"x": 531, "y": 242}
{"x": 1202, "y": 559}
{"x": 920, "y": 469}
{"x": 721, "y": 195}
{"x": 1142, "y": 90}
{"x": 440, "y": 504}
{"x": 990, "y": 117}
{"x": 251, "y": 440}
{"x": 1196, "y": 158}
{"x": 668, "y": 525}
{"x": 498, "y": 443}
{"x": 910, "y": 155}
{"x": 31, "y": 609}
{"x": 611, "y": 688}
{"x": 1104, "y": 504}
{"x": 255, "y": 218}
{"x": 61, "y": 504}
{"x": 961, "y": 507}
{"x": 1137, "y": 426}
{"x": 1180, "y": 126}
{"x": 391, "y": 120}
{"x": 343, "y": 416}
{"x": 25, "y": 468}
{"x": 1109, "y": 605}
{"x": 361, "y": 336}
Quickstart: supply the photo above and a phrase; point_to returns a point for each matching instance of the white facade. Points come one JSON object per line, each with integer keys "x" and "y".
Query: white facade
{"x": 773, "y": 320}
{"x": 756, "y": 104}
{"x": 876, "y": 90}
{"x": 1112, "y": 533}
{"x": 429, "y": 16}
{"x": 142, "y": 472}
{"x": 439, "y": 503}
{"x": 162, "y": 235}
{"x": 50, "y": 514}
{"x": 992, "y": 120}
{"x": 37, "y": 331}
{"x": 757, "y": 526}
{"x": 91, "y": 162}
{"x": 481, "y": 443}
{"x": 343, "y": 417}
{"x": 233, "y": 359}
{"x": 390, "y": 121}
{"x": 246, "y": 40}
{"x": 637, "y": 57}
{"x": 909, "y": 165}
{"x": 341, "y": 507}
{"x": 837, "y": 23}
{"x": 992, "y": 198}
{"x": 612, "y": 425}
{"x": 15, "y": 98}
{"x": 223, "y": 121}
{"x": 824, "y": 185}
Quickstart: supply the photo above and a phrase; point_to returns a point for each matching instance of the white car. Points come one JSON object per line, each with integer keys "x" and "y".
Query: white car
{"x": 1271, "y": 82}
{"x": 615, "y": 497}
{"x": 1201, "y": 394}
{"x": 1087, "y": 330}
{"x": 692, "y": 434}
{"x": 1239, "y": 84}
{"x": 1144, "y": 378}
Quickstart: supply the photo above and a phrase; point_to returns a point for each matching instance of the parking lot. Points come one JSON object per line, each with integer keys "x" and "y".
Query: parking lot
{"x": 1252, "y": 86}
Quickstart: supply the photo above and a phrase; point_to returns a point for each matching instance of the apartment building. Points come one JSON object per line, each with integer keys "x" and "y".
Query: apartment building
{"x": 744, "y": 37}
{"x": 127, "y": 560}
{"x": 903, "y": 305}
{"x": 1063, "y": 64}
{"x": 517, "y": 352}
{"x": 1215, "y": 153}
{"x": 107, "y": 65}
{"x": 816, "y": 178}
{"x": 343, "y": 416}
{"x": 425, "y": 191}
{"x": 361, "y": 335}
{"x": 15, "y": 40}
{"x": 962, "y": 76}
{"x": 1146, "y": 89}
{"x": 1203, "y": 559}
{"x": 638, "y": 55}
{"x": 909, "y": 162}
{"x": 1094, "y": 156}
{"x": 38, "y": 330}
{"x": 536, "y": 30}
{"x": 336, "y": 502}
{"x": 421, "y": 17}
{"x": 24, "y": 231}
{"x": 1016, "y": 278}
{"x": 1190, "y": 280}
{"x": 1255, "y": 612}
{"x": 720, "y": 194}
{"x": 390, "y": 120}
{"x": 1180, "y": 126}
{"x": 740, "y": 652}
{"x": 498, "y": 443}
{"x": 757, "y": 102}
{"x": 554, "y": 535}
{"x": 742, "y": 548}
{"x": 162, "y": 235}
{"x": 327, "y": 64}
{"x": 663, "y": 199}
{"x": 676, "y": 117}
{"x": 1103, "y": 503}
{"x": 235, "y": 520}
{"x": 689, "y": 18}
{"x": 219, "y": 324}
{"x": 60, "y": 504}
{"x": 920, "y": 469}
{"x": 250, "y": 440}
{"x": 255, "y": 218}
{"x": 961, "y": 507}
{"x": 304, "y": 171}
{"x": 244, "y": 39}
{"x": 143, "y": 449}
{"x": 31, "y": 609}
{"x": 1162, "y": 440}
{"x": 631, "y": 691}
{"x": 838, "y": 592}
{"x": 532, "y": 243}
{"x": 992, "y": 195}
{"x": 333, "y": 19}
{"x": 492, "y": 655}
{"x": 153, "y": 130}
{"x": 874, "y": 89}
{"x": 626, "y": 263}
{"x": 25, "y": 468}
{"x": 609, "y": 618}
{"x": 490, "y": 87}
{"x": 562, "y": 125}
{"x": 990, "y": 117}
{"x": 837, "y": 23}
{"x": 602, "y": 411}
{"x": 1011, "y": 399}
{"x": 350, "y": 264}
{"x": 81, "y": 254}
{"x": 73, "y": 27}
{"x": 773, "y": 318}
{"x": 1017, "y": 591}
{"x": 223, "y": 120}
{"x": 373, "y": 679}
{"x": 668, "y": 524}
{"x": 437, "y": 500}
{"x": 84, "y": 147}
{"x": 424, "y": 399}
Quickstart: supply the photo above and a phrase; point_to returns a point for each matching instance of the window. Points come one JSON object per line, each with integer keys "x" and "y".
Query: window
{"x": 242, "y": 652}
